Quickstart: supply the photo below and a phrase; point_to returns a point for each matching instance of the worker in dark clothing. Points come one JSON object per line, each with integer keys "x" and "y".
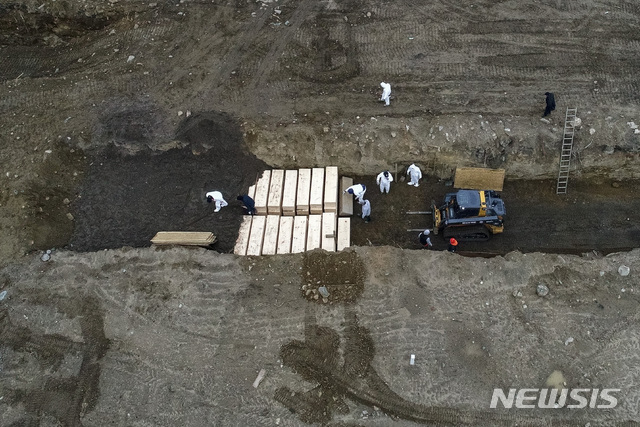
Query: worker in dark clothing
{"x": 249, "y": 204}
{"x": 453, "y": 245}
{"x": 551, "y": 103}
{"x": 425, "y": 240}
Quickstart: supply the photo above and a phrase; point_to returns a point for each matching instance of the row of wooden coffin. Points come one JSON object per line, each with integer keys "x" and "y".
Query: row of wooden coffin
{"x": 296, "y": 192}
{"x": 273, "y": 234}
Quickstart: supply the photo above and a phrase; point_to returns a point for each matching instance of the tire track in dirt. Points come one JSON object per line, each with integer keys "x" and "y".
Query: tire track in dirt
{"x": 79, "y": 392}
{"x": 316, "y": 360}
{"x": 516, "y": 49}
{"x": 304, "y": 11}
{"x": 220, "y": 67}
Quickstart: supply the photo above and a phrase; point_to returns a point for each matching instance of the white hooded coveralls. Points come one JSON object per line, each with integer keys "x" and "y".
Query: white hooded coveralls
{"x": 384, "y": 181}
{"x": 415, "y": 173}
{"x": 217, "y": 197}
{"x": 366, "y": 209}
{"x": 357, "y": 190}
{"x": 386, "y": 93}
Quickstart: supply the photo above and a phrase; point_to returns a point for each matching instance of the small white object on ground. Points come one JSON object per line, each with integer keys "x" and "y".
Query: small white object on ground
{"x": 624, "y": 270}
{"x": 542, "y": 290}
{"x": 259, "y": 378}
{"x": 413, "y": 360}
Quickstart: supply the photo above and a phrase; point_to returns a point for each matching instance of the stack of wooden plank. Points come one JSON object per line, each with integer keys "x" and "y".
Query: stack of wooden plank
{"x": 314, "y": 232}
{"x": 479, "y": 179}
{"x": 331, "y": 189}
{"x": 299, "y": 238}
{"x": 242, "y": 243}
{"x": 290, "y": 192}
{"x": 285, "y": 235}
{"x": 303, "y": 192}
{"x": 274, "y": 200}
{"x": 298, "y": 192}
{"x": 262, "y": 193}
{"x": 256, "y": 236}
{"x": 329, "y": 231}
{"x": 184, "y": 238}
{"x": 344, "y": 233}
{"x": 270, "y": 243}
{"x": 273, "y": 234}
{"x": 317, "y": 191}
{"x": 297, "y": 211}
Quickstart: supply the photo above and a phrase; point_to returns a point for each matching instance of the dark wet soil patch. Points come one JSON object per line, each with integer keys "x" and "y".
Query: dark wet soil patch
{"x": 21, "y": 25}
{"x": 48, "y": 388}
{"x": 50, "y": 194}
{"x": 127, "y": 199}
{"x": 319, "y": 354}
{"x": 342, "y": 274}
{"x": 593, "y": 216}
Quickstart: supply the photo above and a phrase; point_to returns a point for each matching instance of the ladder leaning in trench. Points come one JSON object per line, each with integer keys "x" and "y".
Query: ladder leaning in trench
{"x": 565, "y": 153}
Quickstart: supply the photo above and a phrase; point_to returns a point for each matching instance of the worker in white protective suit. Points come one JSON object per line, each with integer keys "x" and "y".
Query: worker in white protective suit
{"x": 415, "y": 174}
{"x": 384, "y": 180}
{"x": 357, "y": 190}
{"x": 386, "y": 93}
{"x": 216, "y": 196}
{"x": 366, "y": 210}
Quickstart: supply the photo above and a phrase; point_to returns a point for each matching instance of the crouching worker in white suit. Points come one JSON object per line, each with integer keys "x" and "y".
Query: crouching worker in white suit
{"x": 415, "y": 173}
{"x": 216, "y": 196}
{"x": 357, "y": 190}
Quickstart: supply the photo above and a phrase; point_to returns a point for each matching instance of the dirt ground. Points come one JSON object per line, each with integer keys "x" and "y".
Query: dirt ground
{"x": 594, "y": 216}
{"x": 178, "y": 336}
{"x": 116, "y": 117}
{"x": 126, "y": 199}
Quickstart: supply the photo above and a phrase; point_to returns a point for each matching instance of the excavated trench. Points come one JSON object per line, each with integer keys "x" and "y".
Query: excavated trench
{"x": 126, "y": 199}
{"x": 600, "y": 216}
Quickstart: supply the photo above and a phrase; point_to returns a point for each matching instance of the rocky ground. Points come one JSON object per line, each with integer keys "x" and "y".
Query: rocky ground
{"x": 117, "y": 116}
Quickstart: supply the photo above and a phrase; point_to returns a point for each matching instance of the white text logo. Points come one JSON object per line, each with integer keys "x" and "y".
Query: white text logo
{"x": 549, "y": 398}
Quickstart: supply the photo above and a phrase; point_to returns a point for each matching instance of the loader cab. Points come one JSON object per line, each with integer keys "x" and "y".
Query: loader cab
{"x": 474, "y": 203}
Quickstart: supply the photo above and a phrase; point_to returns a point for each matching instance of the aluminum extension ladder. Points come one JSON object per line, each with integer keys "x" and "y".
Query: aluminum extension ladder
{"x": 565, "y": 153}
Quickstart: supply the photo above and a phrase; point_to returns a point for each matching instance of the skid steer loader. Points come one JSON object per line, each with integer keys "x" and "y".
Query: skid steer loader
{"x": 475, "y": 211}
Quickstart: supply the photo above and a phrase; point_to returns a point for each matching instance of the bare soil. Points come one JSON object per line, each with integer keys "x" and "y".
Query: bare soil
{"x": 179, "y": 335}
{"x": 118, "y": 116}
{"x": 593, "y": 216}
{"x": 126, "y": 199}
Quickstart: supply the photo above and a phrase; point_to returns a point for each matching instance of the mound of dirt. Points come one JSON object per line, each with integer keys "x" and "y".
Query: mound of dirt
{"x": 342, "y": 274}
{"x": 126, "y": 199}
